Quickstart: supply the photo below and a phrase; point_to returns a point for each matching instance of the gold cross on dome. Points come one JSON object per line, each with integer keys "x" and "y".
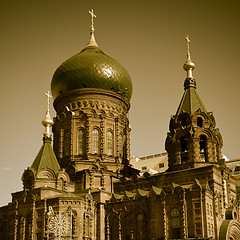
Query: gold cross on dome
{"x": 188, "y": 45}
{"x": 92, "y": 18}
{"x": 48, "y": 99}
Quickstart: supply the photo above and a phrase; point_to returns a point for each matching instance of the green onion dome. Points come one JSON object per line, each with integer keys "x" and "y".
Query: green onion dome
{"x": 91, "y": 68}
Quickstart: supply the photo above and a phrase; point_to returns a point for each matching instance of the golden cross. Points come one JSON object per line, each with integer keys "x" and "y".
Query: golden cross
{"x": 92, "y": 18}
{"x": 48, "y": 97}
{"x": 188, "y": 46}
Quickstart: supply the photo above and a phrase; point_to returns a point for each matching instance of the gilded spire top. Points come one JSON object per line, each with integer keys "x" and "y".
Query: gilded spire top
{"x": 47, "y": 122}
{"x": 189, "y": 65}
{"x": 92, "y": 41}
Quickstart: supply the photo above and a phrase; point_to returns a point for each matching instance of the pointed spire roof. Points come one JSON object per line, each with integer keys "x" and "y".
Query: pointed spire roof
{"x": 46, "y": 158}
{"x": 191, "y": 101}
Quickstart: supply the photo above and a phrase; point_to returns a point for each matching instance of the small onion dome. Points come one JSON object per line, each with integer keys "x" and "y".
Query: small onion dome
{"x": 188, "y": 65}
{"x": 47, "y": 121}
{"x": 91, "y": 68}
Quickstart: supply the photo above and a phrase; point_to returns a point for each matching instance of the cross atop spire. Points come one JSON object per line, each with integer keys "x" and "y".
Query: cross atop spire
{"x": 92, "y": 19}
{"x": 48, "y": 99}
{"x": 92, "y": 41}
{"x": 189, "y": 65}
{"x": 188, "y": 47}
{"x": 47, "y": 122}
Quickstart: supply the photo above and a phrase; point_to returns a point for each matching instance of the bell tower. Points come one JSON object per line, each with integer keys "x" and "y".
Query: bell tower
{"x": 193, "y": 139}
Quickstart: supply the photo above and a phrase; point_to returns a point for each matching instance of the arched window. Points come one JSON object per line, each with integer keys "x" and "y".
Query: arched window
{"x": 80, "y": 142}
{"x": 175, "y": 223}
{"x": 184, "y": 149}
{"x": 140, "y": 227}
{"x": 61, "y": 184}
{"x": 95, "y": 141}
{"x": 66, "y": 144}
{"x": 88, "y": 226}
{"x": 113, "y": 225}
{"x": 199, "y": 122}
{"x": 203, "y": 149}
{"x": 127, "y": 228}
{"x": 184, "y": 122}
{"x": 109, "y": 143}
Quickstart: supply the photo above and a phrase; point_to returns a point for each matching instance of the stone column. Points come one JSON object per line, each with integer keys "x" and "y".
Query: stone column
{"x": 119, "y": 227}
{"x": 165, "y": 218}
{"x": 101, "y": 222}
{"x": 16, "y": 220}
{"x": 33, "y": 217}
{"x": 117, "y": 137}
{"x": 102, "y": 137}
{"x": 107, "y": 229}
{"x": 44, "y": 217}
{"x": 24, "y": 229}
{"x": 60, "y": 143}
{"x": 87, "y": 132}
{"x": 184, "y": 215}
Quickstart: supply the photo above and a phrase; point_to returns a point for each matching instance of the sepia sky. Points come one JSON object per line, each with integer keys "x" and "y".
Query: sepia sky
{"x": 147, "y": 37}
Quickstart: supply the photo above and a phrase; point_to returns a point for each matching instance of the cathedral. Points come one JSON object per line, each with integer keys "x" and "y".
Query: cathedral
{"x": 82, "y": 186}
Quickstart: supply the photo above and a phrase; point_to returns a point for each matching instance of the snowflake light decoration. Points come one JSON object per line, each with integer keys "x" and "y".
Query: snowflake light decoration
{"x": 58, "y": 225}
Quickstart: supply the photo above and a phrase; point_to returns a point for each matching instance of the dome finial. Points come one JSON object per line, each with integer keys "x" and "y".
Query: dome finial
{"x": 47, "y": 122}
{"x": 189, "y": 65}
{"x": 92, "y": 41}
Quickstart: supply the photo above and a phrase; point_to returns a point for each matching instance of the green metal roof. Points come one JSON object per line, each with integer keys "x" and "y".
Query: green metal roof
{"x": 190, "y": 102}
{"x": 91, "y": 68}
{"x": 46, "y": 158}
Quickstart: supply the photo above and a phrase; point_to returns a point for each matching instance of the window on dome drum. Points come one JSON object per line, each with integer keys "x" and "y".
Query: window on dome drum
{"x": 175, "y": 223}
{"x": 121, "y": 145}
{"x": 109, "y": 143}
{"x": 199, "y": 122}
{"x": 203, "y": 146}
{"x": 80, "y": 142}
{"x": 95, "y": 141}
{"x": 66, "y": 144}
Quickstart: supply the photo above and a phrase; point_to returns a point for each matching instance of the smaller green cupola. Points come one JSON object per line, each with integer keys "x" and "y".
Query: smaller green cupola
{"x": 45, "y": 170}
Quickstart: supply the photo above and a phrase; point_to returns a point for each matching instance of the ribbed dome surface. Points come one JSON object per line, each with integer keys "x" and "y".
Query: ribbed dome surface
{"x": 91, "y": 68}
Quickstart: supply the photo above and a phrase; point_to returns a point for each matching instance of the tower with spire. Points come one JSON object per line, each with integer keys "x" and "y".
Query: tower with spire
{"x": 193, "y": 139}
{"x": 45, "y": 170}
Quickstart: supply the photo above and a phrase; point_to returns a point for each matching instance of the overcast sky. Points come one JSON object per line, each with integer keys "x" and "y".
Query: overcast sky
{"x": 147, "y": 37}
